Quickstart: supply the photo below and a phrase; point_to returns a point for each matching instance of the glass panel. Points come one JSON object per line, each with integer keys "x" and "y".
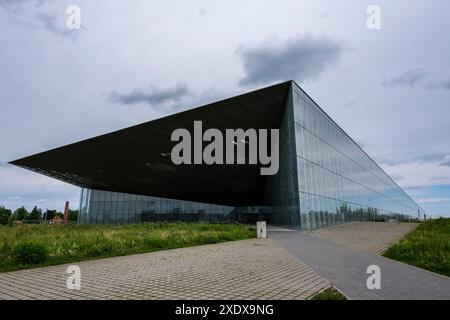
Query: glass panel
{"x": 337, "y": 181}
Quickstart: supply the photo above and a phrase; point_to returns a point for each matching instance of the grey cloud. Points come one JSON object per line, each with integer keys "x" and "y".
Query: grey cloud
{"x": 436, "y": 156}
{"x": 438, "y": 178}
{"x": 151, "y": 95}
{"x": 41, "y": 20}
{"x": 442, "y": 84}
{"x": 14, "y": 6}
{"x": 350, "y": 104}
{"x": 416, "y": 76}
{"x": 50, "y": 23}
{"x": 407, "y": 79}
{"x": 300, "y": 58}
{"x": 206, "y": 96}
{"x": 430, "y": 157}
{"x": 446, "y": 162}
{"x": 427, "y": 200}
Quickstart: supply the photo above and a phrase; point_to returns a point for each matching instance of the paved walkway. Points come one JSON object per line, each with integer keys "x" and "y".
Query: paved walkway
{"x": 247, "y": 269}
{"x": 346, "y": 269}
{"x": 370, "y": 237}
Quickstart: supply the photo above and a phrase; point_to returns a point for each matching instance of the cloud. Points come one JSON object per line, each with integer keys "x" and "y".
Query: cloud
{"x": 301, "y": 58}
{"x": 419, "y": 174}
{"x": 22, "y": 187}
{"x": 49, "y": 22}
{"x": 416, "y": 76}
{"x": 15, "y": 5}
{"x": 407, "y": 79}
{"x": 422, "y": 157}
{"x": 207, "y": 96}
{"x": 151, "y": 95}
{"x": 14, "y": 198}
{"x": 3, "y": 164}
{"x": 350, "y": 104}
{"x": 441, "y": 84}
{"x": 438, "y": 178}
{"x": 24, "y": 13}
{"x": 429, "y": 200}
{"x": 16, "y": 180}
{"x": 446, "y": 161}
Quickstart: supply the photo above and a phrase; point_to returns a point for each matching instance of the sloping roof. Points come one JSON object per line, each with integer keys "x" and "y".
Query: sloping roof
{"x": 134, "y": 160}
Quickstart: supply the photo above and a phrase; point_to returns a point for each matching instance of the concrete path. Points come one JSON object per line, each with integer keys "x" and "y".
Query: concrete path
{"x": 346, "y": 267}
{"x": 247, "y": 269}
{"x": 370, "y": 237}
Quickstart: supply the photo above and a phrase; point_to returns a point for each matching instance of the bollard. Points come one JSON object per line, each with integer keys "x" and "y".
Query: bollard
{"x": 261, "y": 230}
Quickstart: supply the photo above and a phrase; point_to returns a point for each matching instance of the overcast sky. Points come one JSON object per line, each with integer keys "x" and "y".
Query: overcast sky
{"x": 133, "y": 61}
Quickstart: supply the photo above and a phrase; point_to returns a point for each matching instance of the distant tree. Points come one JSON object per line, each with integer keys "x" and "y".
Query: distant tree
{"x": 20, "y": 214}
{"x": 35, "y": 214}
{"x": 5, "y": 215}
{"x": 73, "y": 215}
{"x": 50, "y": 214}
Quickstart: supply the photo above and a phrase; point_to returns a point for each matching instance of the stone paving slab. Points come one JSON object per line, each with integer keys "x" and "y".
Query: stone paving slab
{"x": 346, "y": 268}
{"x": 247, "y": 269}
{"x": 370, "y": 237}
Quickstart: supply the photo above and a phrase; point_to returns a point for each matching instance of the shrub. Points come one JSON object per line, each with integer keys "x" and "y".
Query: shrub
{"x": 29, "y": 252}
{"x": 154, "y": 242}
{"x": 5, "y": 215}
{"x": 329, "y": 294}
{"x": 67, "y": 243}
{"x": 208, "y": 237}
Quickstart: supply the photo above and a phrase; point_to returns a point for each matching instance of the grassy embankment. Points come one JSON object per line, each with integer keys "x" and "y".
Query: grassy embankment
{"x": 426, "y": 247}
{"x": 28, "y": 246}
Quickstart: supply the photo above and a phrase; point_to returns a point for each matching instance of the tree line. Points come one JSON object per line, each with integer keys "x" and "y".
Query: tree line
{"x": 7, "y": 216}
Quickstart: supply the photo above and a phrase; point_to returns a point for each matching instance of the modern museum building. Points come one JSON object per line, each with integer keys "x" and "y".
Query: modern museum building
{"x": 323, "y": 176}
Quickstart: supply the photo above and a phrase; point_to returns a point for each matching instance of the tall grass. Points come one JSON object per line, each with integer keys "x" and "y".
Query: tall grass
{"x": 26, "y": 246}
{"x": 427, "y": 247}
{"x": 329, "y": 294}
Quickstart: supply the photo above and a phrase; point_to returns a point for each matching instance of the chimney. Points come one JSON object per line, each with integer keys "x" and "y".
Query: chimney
{"x": 66, "y": 212}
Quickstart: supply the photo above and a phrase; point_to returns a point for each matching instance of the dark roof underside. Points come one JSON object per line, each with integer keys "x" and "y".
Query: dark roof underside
{"x": 131, "y": 161}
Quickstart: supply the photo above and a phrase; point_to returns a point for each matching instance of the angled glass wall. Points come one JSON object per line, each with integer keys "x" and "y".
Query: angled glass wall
{"x": 106, "y": 207}
{"x": 281, "y": 190}
{"x": 324, "y": 178}
{"x": 337, "y": 180}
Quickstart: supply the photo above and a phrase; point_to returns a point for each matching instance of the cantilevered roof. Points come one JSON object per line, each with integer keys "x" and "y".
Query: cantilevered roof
{"x": 135, "y": 159}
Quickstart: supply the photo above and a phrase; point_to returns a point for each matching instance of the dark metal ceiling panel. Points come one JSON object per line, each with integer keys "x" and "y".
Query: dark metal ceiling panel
{"x": 131, "y": 161}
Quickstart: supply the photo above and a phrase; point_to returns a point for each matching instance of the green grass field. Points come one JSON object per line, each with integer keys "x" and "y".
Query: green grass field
{"x": 27, "y": 246}
{"x": 427, "y": 247}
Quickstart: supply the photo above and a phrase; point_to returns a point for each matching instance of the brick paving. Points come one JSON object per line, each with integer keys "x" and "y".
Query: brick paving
{"x": 247, "y": 269}
{"x": 346, "y": 268}
{"x": 370, "y": 237}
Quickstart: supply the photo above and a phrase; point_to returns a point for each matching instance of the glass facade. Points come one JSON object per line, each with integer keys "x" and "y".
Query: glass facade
{"x": 324, "y": 178}
{"x": 281, "y": 191}
{"x": 107, "y": 207}
{"x": 337, "y": 180}
{"x": 97, "y": 206}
